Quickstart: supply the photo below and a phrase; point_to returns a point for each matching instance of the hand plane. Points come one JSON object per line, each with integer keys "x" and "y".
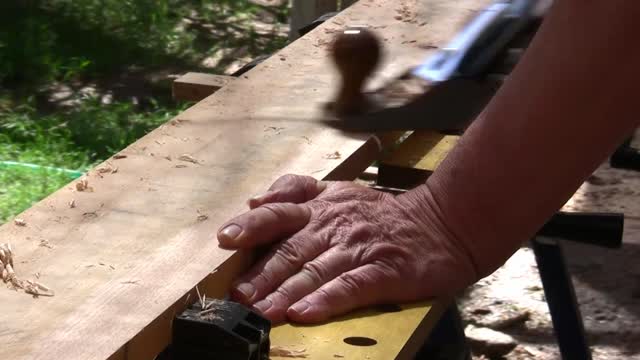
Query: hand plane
{"x": 448, "y": 90}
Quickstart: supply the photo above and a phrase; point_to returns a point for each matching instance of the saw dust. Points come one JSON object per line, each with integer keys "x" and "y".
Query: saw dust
{"x": 12, "y": 281}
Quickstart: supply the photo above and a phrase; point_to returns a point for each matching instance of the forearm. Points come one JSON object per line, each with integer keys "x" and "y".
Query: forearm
{"x": 567, "y": 105}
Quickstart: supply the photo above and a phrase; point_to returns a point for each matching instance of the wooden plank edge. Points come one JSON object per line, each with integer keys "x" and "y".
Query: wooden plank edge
{"x": 420, "y": 334}
{"x": 156, "y": 336}
{"x": 194, "y": 86}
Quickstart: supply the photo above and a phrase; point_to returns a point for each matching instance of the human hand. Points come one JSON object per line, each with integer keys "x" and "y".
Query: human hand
{"x": 340, "y": 246}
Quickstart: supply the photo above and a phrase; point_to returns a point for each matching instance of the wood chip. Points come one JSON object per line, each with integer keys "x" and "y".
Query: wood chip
{"x": 119, "y": 156}
{"x": 45, "y": 243}
{"x": 105, "y": 170}
{"x": 282, "y": 351}
{"x": 202, "y": 217}
{"x": 72, "y": 203}
{"x": 19, "y": 222}
{"x": 200, "y": 298}
{"x": 188, "y": 158}
{"x": 333, "y": 156}
{"x": 180, "y": 166}
{"x": 83, "y": 185}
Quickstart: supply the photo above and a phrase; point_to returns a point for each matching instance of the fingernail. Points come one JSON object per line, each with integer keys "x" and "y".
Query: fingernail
{"x": 263, "y": 305}
{"x": 231, "y": 232}
{"x": 300, "y": 307}
{"x": 247, "y": 290}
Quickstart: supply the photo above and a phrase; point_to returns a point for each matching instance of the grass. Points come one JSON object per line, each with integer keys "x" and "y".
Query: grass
{"x": 52, "y": 51}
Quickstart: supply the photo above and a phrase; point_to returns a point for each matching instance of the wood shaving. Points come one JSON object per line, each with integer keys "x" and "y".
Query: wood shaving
{"x": 19, "y": 222}
{"x": 178, "y": 122}
{"x": 282, "y": 351}
{"x": 188, "y": 158}
{"x": 45, "y": 243}
{"x": 119, "y": 156}
{"x": 107, "y": 169}
{"x": 83, "y": 185}
{"x": 201, "y": 298}
{"x": 72, "y": 204}
{"x": 333, "y": 156}
{"x": 10, "y": 278}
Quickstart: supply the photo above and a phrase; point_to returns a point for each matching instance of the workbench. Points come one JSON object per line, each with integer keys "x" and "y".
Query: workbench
{"x": 127, "y": 249}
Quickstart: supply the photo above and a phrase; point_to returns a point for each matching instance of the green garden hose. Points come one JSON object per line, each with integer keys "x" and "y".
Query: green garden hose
{"x": 73, "y": 173}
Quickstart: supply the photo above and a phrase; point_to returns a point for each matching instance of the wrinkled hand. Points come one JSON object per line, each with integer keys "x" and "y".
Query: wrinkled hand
{"x": 339, "y": 246}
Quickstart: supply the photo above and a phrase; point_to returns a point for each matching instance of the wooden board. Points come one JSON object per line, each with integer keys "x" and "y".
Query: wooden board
{"x": 125, "y": 258}
{"x": 393, "y": 332}
{"x": 197, "y": 86}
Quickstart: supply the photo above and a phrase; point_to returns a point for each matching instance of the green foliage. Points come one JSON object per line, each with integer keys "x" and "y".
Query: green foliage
{"x": 47, "y": 43}
{"x": 21, "y": 187}
{"x": 75, "y": 140}
{"x": 46, "y": 40}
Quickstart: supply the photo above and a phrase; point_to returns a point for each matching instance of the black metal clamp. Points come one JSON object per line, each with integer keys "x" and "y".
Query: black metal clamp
{"x": 214, "y": 329}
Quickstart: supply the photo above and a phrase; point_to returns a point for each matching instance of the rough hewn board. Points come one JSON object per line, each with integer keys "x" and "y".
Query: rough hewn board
{"x": 133, "y": 247}
{"x": 197, "y": 86}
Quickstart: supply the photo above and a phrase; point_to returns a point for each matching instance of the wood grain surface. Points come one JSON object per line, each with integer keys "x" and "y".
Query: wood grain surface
{"x": 124, "y": 258}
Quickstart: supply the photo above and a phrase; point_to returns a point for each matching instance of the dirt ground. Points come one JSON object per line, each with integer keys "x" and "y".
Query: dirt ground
{"x": 607, "y": 283}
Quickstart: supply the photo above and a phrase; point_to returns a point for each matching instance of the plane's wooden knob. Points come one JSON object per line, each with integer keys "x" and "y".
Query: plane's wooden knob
{"x": 356, "y": 52}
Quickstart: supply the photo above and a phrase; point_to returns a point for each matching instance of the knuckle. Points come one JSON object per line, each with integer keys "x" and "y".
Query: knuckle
{"x": 289, "y": 181}
{"x": 263, "y": 279}
{"x": 324, "y": 296}
{"x": 391, "y": 256}
{"x": 279, "y": 210}
{"x": 281, "y": 292}
{"x": 352, "y": 282}
{"x": 315, "y": 272}
{"x": 288, "y": 253}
